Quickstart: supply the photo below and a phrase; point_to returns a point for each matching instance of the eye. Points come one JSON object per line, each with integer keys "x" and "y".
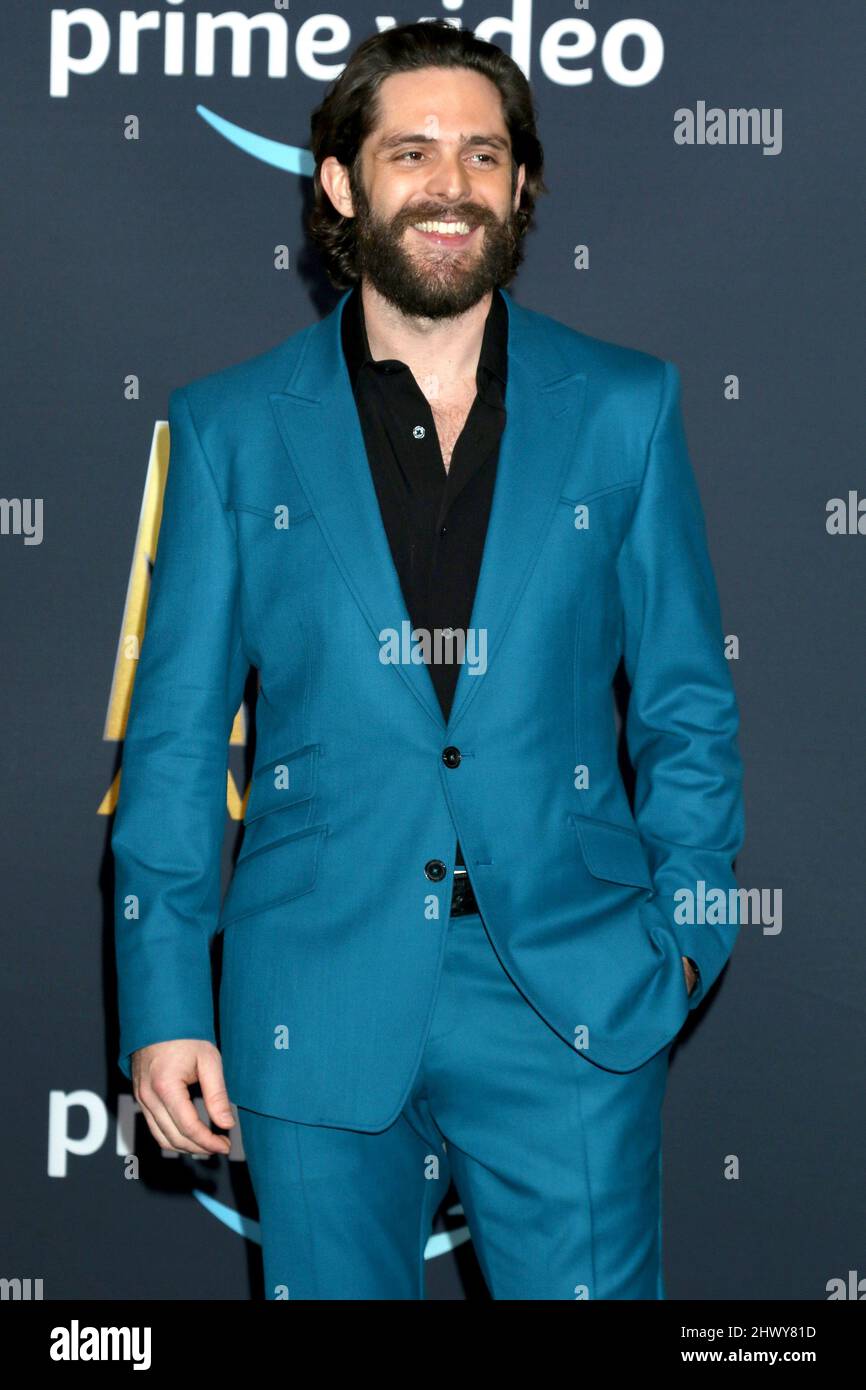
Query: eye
{"x": 477, "y": 154}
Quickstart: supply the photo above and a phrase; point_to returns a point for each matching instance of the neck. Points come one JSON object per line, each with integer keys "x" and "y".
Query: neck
{"x": 444, "y": 350}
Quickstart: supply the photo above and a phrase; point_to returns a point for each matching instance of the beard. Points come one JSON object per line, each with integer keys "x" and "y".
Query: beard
{"x": 435, "y": 283}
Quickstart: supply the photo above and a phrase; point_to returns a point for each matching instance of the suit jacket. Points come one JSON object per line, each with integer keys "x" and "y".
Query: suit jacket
{"x": 272, "y": 554}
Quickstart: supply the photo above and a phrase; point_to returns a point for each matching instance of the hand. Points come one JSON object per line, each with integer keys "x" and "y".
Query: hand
{"x": 161, "y": 1076}
{"x": 691, "y": 977}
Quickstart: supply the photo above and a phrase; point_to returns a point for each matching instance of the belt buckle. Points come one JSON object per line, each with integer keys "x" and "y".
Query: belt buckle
{"x": 459, "y": 888}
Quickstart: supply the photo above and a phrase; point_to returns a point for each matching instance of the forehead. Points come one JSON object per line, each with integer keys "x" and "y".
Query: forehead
{"x": 447, "y": 103}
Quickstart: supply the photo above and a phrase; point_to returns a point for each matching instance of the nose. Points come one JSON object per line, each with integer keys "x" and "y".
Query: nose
{"x": 449, "y": 178}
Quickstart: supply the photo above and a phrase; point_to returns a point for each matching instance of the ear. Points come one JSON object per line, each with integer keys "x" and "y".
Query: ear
{"x": 334, "y": 177}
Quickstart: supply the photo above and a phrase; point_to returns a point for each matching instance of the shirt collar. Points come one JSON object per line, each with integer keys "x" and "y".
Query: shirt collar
{"x": 492, "y": 360}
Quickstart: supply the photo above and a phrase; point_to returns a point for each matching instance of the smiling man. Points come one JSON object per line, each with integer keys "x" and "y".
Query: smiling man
{"x": 450, "y": 941}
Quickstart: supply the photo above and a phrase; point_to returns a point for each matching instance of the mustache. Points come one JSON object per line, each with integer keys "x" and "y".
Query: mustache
{"x": 472, "y": 215}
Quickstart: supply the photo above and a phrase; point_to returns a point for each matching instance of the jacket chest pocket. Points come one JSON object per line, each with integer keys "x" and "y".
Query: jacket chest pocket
{"x": 284, "y": 505}
{"x": 284, "y": 560}
{"x": 597, "y": 520}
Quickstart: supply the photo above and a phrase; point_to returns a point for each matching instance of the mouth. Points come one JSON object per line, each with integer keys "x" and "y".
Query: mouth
{"x": 445, "y": 233}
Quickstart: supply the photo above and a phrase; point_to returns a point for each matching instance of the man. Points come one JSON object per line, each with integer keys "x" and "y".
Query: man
{"x": 435, "y": 523}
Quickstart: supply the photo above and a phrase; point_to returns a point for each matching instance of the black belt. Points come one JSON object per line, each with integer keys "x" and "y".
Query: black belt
{"x": 462, "y": 894}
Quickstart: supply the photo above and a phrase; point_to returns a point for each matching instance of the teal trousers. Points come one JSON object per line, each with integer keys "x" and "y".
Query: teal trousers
{"x": 556, "y": 1161}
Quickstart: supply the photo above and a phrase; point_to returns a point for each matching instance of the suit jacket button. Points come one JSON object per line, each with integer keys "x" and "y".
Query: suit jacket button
{"x": 435, "y": 870}
{"x": 451, "y": 757}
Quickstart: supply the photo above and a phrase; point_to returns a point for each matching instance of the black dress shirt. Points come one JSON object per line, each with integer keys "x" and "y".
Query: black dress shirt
{"x": 435, "y": 521}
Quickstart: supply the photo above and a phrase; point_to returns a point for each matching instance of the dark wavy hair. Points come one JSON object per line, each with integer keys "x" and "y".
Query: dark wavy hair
{"x": 350, "y": 110}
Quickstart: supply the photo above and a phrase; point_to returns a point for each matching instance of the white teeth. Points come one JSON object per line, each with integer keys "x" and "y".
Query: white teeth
{"x": 444, "y": 228}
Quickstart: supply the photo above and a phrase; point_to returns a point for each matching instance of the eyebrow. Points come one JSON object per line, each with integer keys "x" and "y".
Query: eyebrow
{"x": 390, "y": 142}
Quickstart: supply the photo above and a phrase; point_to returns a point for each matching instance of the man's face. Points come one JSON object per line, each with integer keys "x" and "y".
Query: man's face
{"x": 440, "y": 153}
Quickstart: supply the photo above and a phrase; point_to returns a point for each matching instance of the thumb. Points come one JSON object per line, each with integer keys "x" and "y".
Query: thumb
{"x": 213, "y": 1088}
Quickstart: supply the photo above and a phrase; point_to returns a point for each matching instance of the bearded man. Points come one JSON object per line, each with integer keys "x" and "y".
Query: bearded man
{"x": 450, "y": 946}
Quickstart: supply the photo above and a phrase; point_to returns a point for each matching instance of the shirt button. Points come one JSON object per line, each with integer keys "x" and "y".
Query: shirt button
{"x": 442, "y": 530}
{"x": 419, "y": 431}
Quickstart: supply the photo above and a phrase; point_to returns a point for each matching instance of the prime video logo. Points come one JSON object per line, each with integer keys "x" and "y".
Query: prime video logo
{"x": 84, "y": 41}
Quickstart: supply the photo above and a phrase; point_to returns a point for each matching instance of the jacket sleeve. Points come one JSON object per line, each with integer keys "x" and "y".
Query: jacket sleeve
{"x": 170, "y": 818}
{"x": 682, "y": 721}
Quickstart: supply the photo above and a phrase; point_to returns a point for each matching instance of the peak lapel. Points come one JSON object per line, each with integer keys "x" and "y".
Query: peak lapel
{"x": 320, "y": 429}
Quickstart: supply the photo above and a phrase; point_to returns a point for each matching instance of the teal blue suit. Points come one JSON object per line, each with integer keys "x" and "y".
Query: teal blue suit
{"x": 272, "y": 554}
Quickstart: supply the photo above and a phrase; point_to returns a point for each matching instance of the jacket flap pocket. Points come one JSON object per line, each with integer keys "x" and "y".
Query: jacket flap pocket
{"x": 283, "y": 782}
{"x": 274, "y": 874}
{"x": 613, "y": 852}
